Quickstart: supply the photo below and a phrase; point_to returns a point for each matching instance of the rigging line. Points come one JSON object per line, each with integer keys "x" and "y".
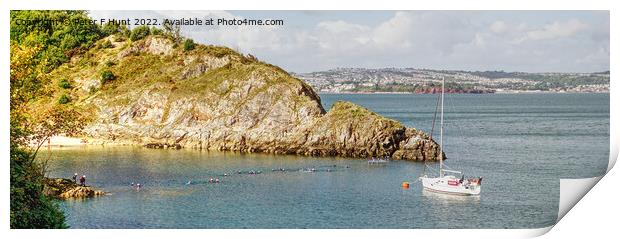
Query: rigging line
{"x": 433, "y": 126}
{"x": 435, "y": 116}
{"x": 450, "y": 122}
{"x": 429, "y": 168}
{"x": 460, "y": 131}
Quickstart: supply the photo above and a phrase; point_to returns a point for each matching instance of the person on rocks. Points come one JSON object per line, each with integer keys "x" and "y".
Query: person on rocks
{"x": 75, "y": 175}
{"x": 83, "y": 180}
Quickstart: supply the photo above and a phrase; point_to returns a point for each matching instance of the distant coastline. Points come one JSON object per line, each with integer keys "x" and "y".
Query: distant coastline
{"x": 496, "y": 92}
{"x": 425, "y": 81}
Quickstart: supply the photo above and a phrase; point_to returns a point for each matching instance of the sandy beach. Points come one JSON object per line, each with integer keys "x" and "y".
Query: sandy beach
{"x": 66, "y": 141}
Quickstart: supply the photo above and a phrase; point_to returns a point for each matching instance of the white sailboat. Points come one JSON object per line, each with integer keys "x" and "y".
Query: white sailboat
{"x": 450, "y": 181}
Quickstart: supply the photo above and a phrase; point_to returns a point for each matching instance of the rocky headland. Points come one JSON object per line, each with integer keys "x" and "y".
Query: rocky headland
{"x": 63, "y": 188}
{"x": 212, "y": 98}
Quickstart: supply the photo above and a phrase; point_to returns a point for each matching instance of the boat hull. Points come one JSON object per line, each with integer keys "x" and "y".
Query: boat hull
{"x": 450, "y": 185}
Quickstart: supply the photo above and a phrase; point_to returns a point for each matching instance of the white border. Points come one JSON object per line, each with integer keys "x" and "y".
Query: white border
{"x": 604, "y": 192}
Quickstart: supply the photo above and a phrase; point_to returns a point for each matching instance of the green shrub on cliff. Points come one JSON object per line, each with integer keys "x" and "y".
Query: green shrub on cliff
{"x": 157, "y": 31}
{"x": 64, "y": 99}
{"x": 111, "y": 29}
{"x": 139, "y": 33}
{"x": 107, "y": 76}
{"x": 189, "y": 45}
{"x": 64, "y": 83}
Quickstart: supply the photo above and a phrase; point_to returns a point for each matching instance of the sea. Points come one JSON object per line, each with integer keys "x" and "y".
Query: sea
{"x": 520, "y": 144}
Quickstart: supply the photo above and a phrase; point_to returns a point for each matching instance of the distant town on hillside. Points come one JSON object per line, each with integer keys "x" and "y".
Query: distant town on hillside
{"x": 410, "y": 80}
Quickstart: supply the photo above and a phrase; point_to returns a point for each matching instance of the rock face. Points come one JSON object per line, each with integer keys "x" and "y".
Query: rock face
{"x": 213, "y": 98}
{"x": 63, "y": 188}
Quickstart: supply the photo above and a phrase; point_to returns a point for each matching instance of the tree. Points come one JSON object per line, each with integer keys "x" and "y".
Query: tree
{"x": 37, "y": 49}
{"x": 30, "y": 208}
{"x": 111, "y": 28}
{"x": 157, "y": 31}
{"x": 139, "y": 33}
{"x": 57, "y": 41}
{"x": 172, "y": 31}
{"x": 59, "y": 119}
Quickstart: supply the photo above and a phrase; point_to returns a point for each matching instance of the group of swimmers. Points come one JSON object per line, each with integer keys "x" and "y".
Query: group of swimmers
{"x": 255, "y": 172}
{"x": 211, "y": 180}
{"x": 136, "y": 186}
{"x": 251, "y": 172}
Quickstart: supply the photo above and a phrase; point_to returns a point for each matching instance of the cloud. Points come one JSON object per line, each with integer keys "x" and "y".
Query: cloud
{"x": 396, "y": 31}
{"x": 424, "y": 33}
{"x": 339, "y": 36}
{"x": 557, "y": 30}
{"x": 499, "y": 27}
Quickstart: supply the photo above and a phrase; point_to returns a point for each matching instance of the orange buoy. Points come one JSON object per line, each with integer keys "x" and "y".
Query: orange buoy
{"x": 405, "y": 185}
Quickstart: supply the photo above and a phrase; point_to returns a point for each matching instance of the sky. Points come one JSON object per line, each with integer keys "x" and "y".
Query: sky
{"x": 527, "y": 41}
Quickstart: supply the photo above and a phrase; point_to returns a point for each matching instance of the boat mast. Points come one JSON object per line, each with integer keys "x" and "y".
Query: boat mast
{"x": 443, "y": 83}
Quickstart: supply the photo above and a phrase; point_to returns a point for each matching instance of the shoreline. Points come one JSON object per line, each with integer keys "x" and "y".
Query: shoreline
{"x": 57, "y": 142}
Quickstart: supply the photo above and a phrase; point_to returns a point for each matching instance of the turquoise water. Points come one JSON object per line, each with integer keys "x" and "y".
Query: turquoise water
{"x": 520, "y": 143}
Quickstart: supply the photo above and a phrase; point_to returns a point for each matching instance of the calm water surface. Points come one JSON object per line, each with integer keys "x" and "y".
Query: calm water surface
{"x": 520, "y": 143}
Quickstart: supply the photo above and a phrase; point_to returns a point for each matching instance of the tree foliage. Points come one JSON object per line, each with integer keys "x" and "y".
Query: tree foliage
{"x": 112, "y": 28}
{"x": 172, "y": 31}
{"x": 30, "y": 208}
{"x": 60, "y": 34}
{"x": 189, "y": 45}
{"x": 36, "y": 49}
{"x": 139, "y": 33}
